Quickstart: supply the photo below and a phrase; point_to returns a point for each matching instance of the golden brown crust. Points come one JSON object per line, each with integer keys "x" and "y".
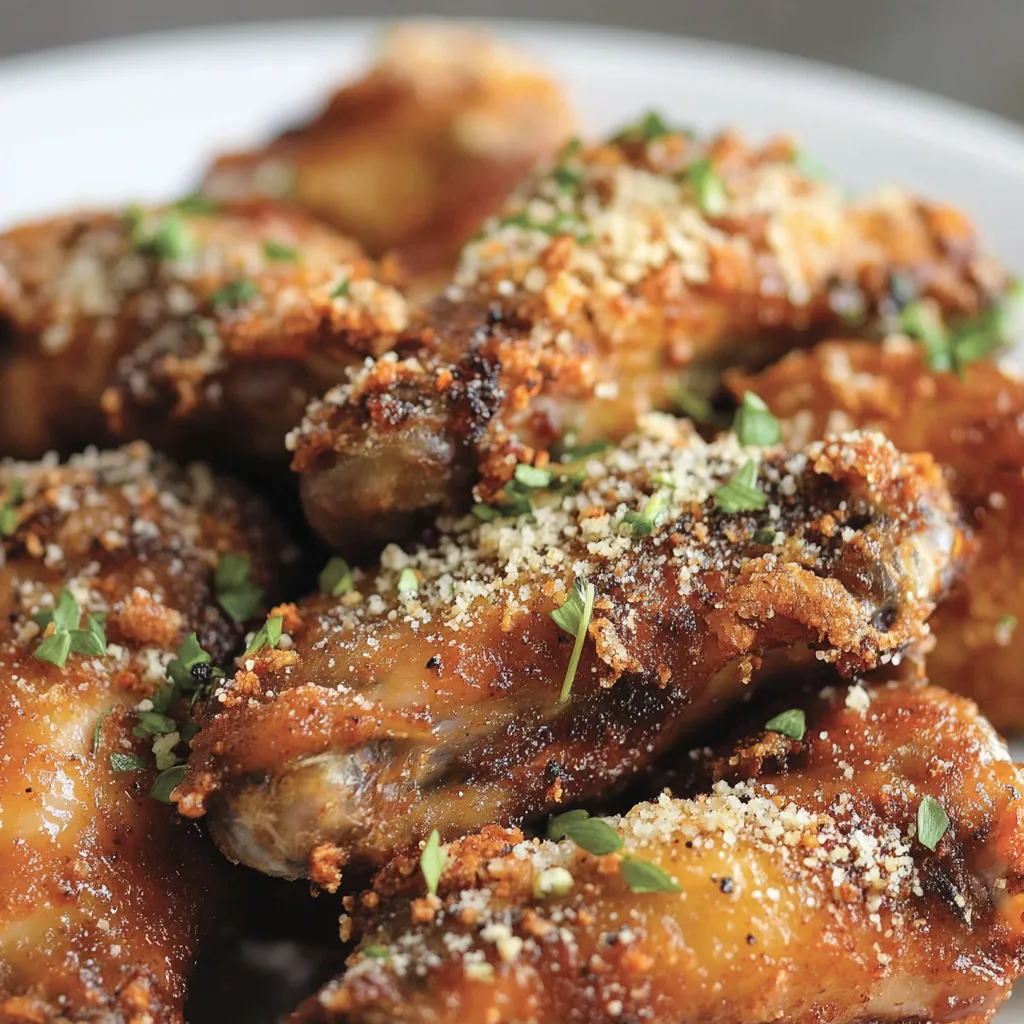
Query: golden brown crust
{"x": 103, "y": 886}
{"x": 414, "y": 156}
{"x": 201, "y": 330}
{"x": 390, "y": 713}
{"x": 807, "y": 894}
{"x": 973, "y": 424}
{"x": 612, "y": 281}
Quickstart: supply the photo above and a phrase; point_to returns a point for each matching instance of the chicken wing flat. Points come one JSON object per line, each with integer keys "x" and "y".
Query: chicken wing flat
{"x": 445, "y": 691}
{"x": 204, "y": 330}
{"x": 871, "y": 870}
{"x": 615, "y": 278}
{"x": 416, "y": 155}
{"x": 973, "y": 423}
{"x": 108, "y": 565}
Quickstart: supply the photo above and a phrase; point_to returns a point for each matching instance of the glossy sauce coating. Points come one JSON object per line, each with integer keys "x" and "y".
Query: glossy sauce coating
{"x": 104, "y": 887}
{"x": 614, "y": 278}
{"x": 973, "y": 424}
{"x": 807, "y": 894}
{"x": 393, "y": 712}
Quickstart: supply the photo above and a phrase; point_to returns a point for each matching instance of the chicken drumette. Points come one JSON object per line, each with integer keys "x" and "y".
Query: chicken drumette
{"x": 441, "y": 691}
{"x": 107, "y": 565}
{"x": 867, "y": 867}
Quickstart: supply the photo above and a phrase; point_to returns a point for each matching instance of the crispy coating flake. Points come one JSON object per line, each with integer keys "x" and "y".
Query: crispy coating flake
{"x": 414, "y": 156}
{"x": 202, "y": 330}
{"x": 973, "y": 424}
{"x": 806, "y": 892}
{"x": 428, "y": 697}
{"x": 611, "y": 282}
{"x": 103, "y": 886}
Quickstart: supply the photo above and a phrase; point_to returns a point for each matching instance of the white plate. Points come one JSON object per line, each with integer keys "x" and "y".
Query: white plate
{"x": 137, "y": 119}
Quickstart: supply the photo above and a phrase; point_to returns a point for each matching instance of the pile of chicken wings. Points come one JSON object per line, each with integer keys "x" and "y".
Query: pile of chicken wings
{"x": 581, "y": 560}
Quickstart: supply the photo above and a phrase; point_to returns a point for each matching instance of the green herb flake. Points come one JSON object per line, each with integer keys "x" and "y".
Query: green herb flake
{"x": 376, "y": 952}
{"x": 196, "y": 205}
{"x": 92, "y": 640}
{"x": 236, "y": 593}
{"x": 269, "y": 635}
{"x": 408, "y": 583}
{"x": 9, "y": 516}
{"x": 766, "y": 537}
{"x": 278, "y": 252}
{"x": 66, "y": 635}
{"x": 568, "y": 453}
{"x": 594, "y": 835}
{"x": 234, "y": 294}
{"x": 641, "y": 876}
{"x": 126, "y": 763}
{"x": 341, "y": 289}
{"x": 153, "y": 723}
{"x": 531, "y": 477}
{"x": 642, "y": 523}
{"x": 573, "y": 616}
{"x": 739, "y": 493}
{"x": 190, "y": 654}
{"x": 163, "y": 236}
{"x": 920, "y": 320}
{"x": 809, "y": 166}
{"x": 648, "y": 128}
{"x": 55, "y": 648}
{"x": 755, "y": 425}
{"x": 336, "y": 578}
{"x": 486, "y": 513}
{"x": 97, "y": 731}
{"x": 708, "y": 187}
{"x": 1006, "y": 626}
{"x": 791, "y": 723}
{"x": 166, "y": 782}
{"x": 932, "y": 822}
{"x": 696, "y": 406}
{"x": 432, "y": 861}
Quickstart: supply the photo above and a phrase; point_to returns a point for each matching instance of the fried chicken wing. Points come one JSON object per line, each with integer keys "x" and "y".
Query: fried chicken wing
{"x": 871, "y": 871}
{"x": 972, "y": 423}
{"x": 107, "y": 565}
{"x": 445, "y": 690}
{"x": 203, "y": 330}
{"x": 615, "y": 278}
{"x": 417, "y": 154}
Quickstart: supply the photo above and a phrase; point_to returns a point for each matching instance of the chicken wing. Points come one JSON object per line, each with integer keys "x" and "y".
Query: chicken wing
{"x": 614, "y": 279}
{"x": 204, "y": 330}
{"x": 107, "y": 565}
{"x": 417, "y": 154}
{"x": 446, "y": 691}
{"x": 974, "y": 424}
{"x": 870, "y": 870}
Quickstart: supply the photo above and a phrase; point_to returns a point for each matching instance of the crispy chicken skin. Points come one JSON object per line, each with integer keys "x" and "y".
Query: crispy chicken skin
{"x": 613, "y": 278}
{"x": 417, "y": 154}
{"x": 202, "y": 330}
{"x": 429, "y": 696}
{"x": 973, "y": 424}
{"x": 102, "y": 885}
{"x": 807, "y": 894}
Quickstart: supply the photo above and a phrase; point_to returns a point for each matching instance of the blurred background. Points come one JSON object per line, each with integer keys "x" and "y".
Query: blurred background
{"x": 965, "y": 49}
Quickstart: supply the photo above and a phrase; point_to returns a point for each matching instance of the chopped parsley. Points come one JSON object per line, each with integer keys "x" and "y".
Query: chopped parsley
{"x": 236, "y": 593}
{"x": 269, "y": 635}
{"x": 594, "y": 835}
{"x": 696, "y": 406}
{"x": 432, "y": 861}
{"x": 164, "y": 236}
{"x": 791, "y": 723}
{"x": 486, "y": 513}
{"x": 1006, "y": 626}
{"x": 766, "y": 537}
{"x": 166, "y": 782}
{"x": 809, "y": 166}
{"x": 573, "y": 616}
{"x": 956, "y": 347}
{"x": 154, "y": 723}
{"x": 739, "y": 493}
{"x": 234, "y": 294}
{"x": 376, "y": 952}
{"x": 408, "y": 583}
{"x": 97, "y": 732}
{"x": 579, "y": 452}
{"x": 532, "y": 477}
{"x": 708, "y": 187}
{"x": 932, "y": 822}
{"x": 336, "y": 577}
{"x": 560, "y": 224}
{"x": 126, "y": 763}
{"x": 9, "y": 509}
{"x": 66, "y": 636}
{"x": 642, "y": 876}
{"x": 196, "y": 204}
{"x": 341, "y": 289}
{"x": 648, "y": 128}
{"x": 279, "y": 252}
{"x": 755, "y": 424}
{"x": 642, "y": 523}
